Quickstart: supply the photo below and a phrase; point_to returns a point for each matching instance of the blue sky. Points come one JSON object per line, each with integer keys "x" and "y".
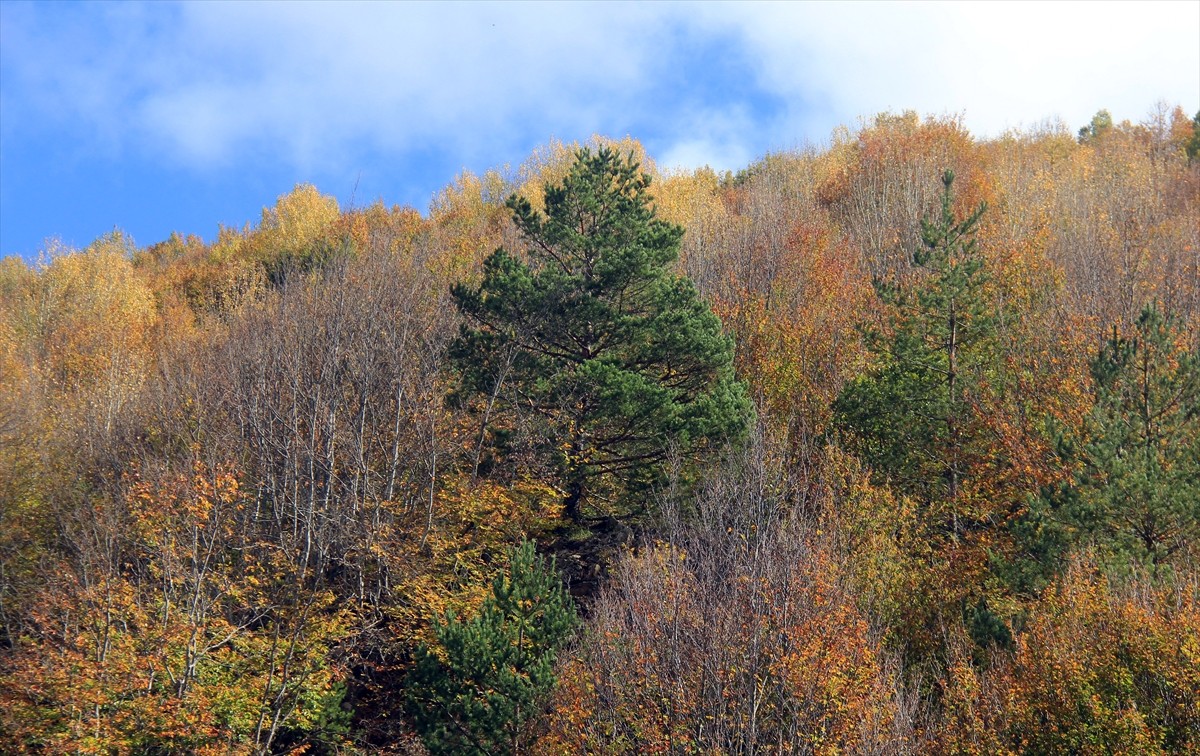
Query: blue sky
{"x": 159, "y": 117}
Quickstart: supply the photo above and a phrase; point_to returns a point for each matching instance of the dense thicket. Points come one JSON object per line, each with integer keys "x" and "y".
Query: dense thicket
{"x": 242, "y": 488}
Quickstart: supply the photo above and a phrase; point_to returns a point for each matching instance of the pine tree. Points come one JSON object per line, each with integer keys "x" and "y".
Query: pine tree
{"x": 612, "y": 361}
{"x": 1100, "y": 124}
{"x": 917, "y": 419}
{"x": 489, "y": 676}
{"x": 910, "y": 417}
{"x": 1192, "y": 148}
{"x": 1139, "y": 486}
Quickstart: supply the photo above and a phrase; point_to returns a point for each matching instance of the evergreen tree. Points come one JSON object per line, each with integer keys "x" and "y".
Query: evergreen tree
{"x": 1135, "y": 496}
{"x": 1139, "y": 485}
{"x": 592, "y": 343}
{"x": 490, "y": 675}
{"x": 1192, "y": 148}
{"x": 917, "y": 419}
{"x": 1100, "y": 124}
{"x": 910, "y": 417}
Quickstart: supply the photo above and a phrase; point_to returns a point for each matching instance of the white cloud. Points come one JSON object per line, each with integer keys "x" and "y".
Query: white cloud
{"x": 720, "y": 155}
{"x": 322, "y": 77}
{"x": 1001, "y": 64}
{"x": 710, "y": 135}
{"x": 205, "y": 84}
{"x": 313, "y": 78}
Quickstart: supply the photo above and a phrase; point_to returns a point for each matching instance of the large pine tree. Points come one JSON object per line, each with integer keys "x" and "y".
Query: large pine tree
{"x": 607, "y": 361}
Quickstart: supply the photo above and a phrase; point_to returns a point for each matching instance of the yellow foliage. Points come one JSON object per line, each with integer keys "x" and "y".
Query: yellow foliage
{"x": 548, "y": 165}
{"x": 299, "y": 218}
{"x": 1098, "y": 670}
{"x": 189, "y": 646}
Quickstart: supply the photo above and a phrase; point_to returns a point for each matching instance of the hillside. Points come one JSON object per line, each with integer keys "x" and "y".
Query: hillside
{"x": 929, "y": 481}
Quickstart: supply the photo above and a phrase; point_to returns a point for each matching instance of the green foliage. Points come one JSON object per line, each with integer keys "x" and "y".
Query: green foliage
{"x": 1100, "y": 123}
{"x": 1139, "y": 487}
{"x": 909, "y": 416}
{"x": 233, "y": 495}
{"x": 490, "y": 675}
{"x": 985, "y": 628}
{"x": 329, "y": 730}
{"x": 1193, "y": 145}
{"x": 318, "y": 256}
{"x": 1042, "y": 538}
{"x": 611, "y": 359}
{"x": 920, "y": 418}
{"x": 1135, "y": 496}
{"x": 1098, "y": 669}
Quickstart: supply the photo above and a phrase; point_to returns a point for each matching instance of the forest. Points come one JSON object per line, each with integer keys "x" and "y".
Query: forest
{"x": 890, "y": 446}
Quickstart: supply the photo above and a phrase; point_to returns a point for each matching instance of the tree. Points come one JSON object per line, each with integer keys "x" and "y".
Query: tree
{"x": 490, "y": 675}
{"x": 1132, "y": 492}
{"x": 181, "y": 639}
{"x": 1193, "y": 145}
{"x": 1139, "y": 487}
{"x": 610, "y": 360}
{"x": 736, "y": 634}
{"x": 298, "y": 234}
{"x": 1100, "y": 123}
{"x": 1096, "y": 669}
{"x": 910, "y": 416}
{"x": 920, "y": 419}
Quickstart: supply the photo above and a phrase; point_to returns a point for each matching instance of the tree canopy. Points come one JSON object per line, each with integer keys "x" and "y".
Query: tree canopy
{"x": 591, "y": 346}
{"x": 261, "y": 494}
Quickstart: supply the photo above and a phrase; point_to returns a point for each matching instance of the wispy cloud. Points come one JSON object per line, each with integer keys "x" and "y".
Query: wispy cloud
{"x": 310, "y": 81}
{"x": 202, "y": 83}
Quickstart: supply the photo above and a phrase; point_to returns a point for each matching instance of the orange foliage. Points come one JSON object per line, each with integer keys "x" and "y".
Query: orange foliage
{"x": 881, "y": 182}
{"x": 1097, "y": 670}
{"x": 777, "y": 660}
{"x": 183, "y": 645}
{"x": 161, "y": 613}
{"x": 797, "y": 341}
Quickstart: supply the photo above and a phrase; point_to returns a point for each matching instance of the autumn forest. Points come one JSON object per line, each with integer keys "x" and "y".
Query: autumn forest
{"x": 890, "y": 446}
